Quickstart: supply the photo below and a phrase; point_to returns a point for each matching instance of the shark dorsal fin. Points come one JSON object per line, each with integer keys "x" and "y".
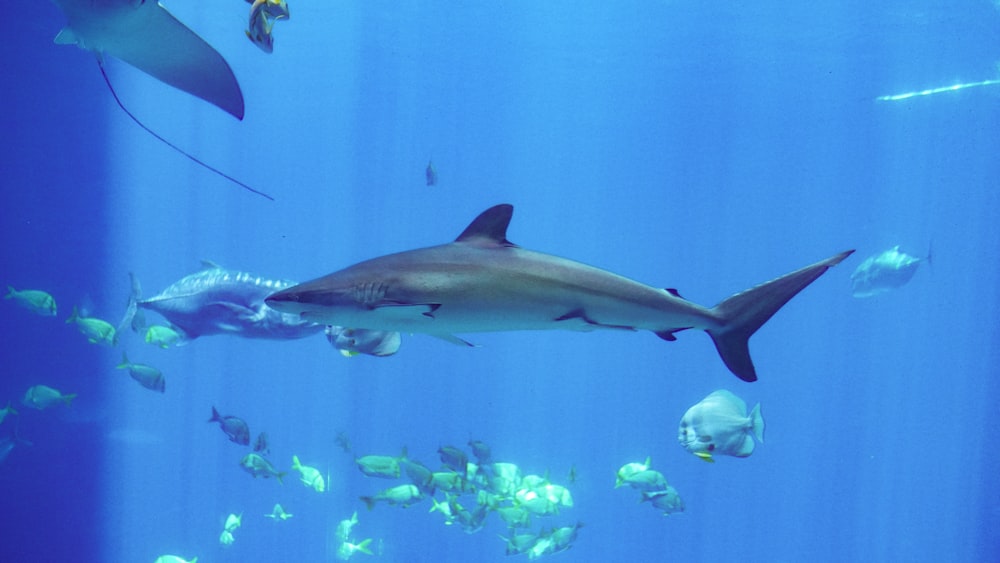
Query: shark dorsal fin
{"x": 490, "y": 226}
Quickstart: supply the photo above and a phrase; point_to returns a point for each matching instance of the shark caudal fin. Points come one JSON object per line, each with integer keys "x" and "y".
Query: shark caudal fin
{"x": 743, "y": 313}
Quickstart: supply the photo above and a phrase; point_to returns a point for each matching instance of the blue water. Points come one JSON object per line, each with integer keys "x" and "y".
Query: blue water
{"x": 701, "y": 146}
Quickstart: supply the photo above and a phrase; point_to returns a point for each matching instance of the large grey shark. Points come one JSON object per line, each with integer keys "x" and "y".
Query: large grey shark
{"x": 145, "y": 35}
{"x": 482, "y": 282}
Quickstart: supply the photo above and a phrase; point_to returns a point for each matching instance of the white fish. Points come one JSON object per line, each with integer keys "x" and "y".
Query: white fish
{"x": 719, "y": 425}
{"x": 884, "y": 272}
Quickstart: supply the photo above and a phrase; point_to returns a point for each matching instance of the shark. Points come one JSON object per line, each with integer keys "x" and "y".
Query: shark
{"x": 482, "y": 282}
{"x": 145, "y": 35}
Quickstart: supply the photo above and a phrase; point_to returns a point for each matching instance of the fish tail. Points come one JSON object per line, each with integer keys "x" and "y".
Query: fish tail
{"x": 73, "y": 316}
{"x": 10, "y": 292}
{"x": 133, "y": 305}
{"x": 215, "y": 416}
{"x": 279, "y": 476}
{"x": 124, "y": 364}
{"x": 69, "y": 398}
{"x": 757, "y": 423}
{"x": 296, "y": 464}
{"x": 742, "y": 314}
{"x": 363, "y": 547}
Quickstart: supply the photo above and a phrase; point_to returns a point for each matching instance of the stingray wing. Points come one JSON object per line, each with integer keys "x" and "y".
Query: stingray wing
{"x": 168, "y": 50}
{"x": 148, "y": 37}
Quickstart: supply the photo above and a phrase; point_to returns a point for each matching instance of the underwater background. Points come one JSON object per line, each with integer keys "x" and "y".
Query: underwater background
{"x": 702, "y": 146}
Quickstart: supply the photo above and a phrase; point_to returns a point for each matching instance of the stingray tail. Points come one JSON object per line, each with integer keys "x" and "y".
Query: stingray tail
{"x": 168, "y": 143}
{"x": 744, "y": 313}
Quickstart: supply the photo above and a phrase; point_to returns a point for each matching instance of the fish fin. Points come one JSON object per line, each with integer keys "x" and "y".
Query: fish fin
{"x": 369, "y": 502}
{"x": 757, "y": 423}
{"x": 705, "y": 456}
{"x": 66, "y": 36}
{"x": 490, "y": 227}
{"x": 668, "y": 335}
{"x": 215, "y": 415}
{"x": 745, "y": 312}
{"x": 68, "y": 399}
{"x": 124, "y": 364}
{"x": 589, "y": 323}
{"x": 166, "y": 49}
{"x": 451, "y": 338}
{"x": 746, "y": 448}
{"x": 363, "y": 547}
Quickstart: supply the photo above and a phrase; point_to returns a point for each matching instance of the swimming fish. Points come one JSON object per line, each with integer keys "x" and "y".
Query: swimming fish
{"x": 163, "y": 336}
{"x": 431, "y": 174}
{"x": 719, "y": 424}
{"x": 145, "y": 35}
{"x": 4, "y": 412}
{"x": 258, "y": 466}
{"x": 34, "y": 300}
{"x": 235, "y": 428}
{"x": 630, "y": 469}
{"x": 97, "y": 331}
{"x": 311, "y": 477}
{"x": 482, "y": 282}
{"x": 260, "y": 27}
{"x": 278, "y": 513}
{"x": 42, "y": 397}
{"x": 386, "y": 467}
{"x": 345, "y": 526}
{"x": 402, "y": 495}
{"x": 147, "y": 376}
{"x": 226, "y": 538}
{"x": 666, "y": 500}
{"x": 884, "y": 272}
{"x": 233, "y": 521}
{"x": 261, "y": 445}
{"x": 347, "y": 549}
{"x": 220, "y": 301}
{"x": 351, "y": 341}
{"x": 174, "y": 559}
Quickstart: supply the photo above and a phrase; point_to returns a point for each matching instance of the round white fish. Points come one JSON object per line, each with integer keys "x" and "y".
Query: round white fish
{"x": 719, "y": 424}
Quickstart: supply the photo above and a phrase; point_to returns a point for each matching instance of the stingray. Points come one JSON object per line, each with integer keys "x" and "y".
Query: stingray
{"x": 145, "y": 35}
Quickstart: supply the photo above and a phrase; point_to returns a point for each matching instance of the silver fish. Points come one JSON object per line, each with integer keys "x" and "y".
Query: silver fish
{"x": 719, "y": 424}
{"x": 884, "y": 272}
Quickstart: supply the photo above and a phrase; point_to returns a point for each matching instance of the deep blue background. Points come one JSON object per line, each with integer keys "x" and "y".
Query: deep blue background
{"x": 701, "y": 146}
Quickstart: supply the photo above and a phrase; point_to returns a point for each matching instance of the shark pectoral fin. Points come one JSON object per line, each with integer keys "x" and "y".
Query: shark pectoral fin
{"x": 586, "y": 322}
{"x": 66, "y": 37}
{"x": 168, "y": 50}
{"x": 668, "y": 335}
{"x": 455, "y": 340}
{"x": 405, "y": 311}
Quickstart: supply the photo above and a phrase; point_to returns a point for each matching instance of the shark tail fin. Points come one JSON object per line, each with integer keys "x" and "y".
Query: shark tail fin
{"x": 742, "y": 314}
{"x": 365, "y": 547}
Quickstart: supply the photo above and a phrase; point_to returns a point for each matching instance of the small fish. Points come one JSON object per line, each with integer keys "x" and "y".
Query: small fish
{"x": 386, "y": 467}
{"x": 311, "y": 477}
{"x": 630, "y": 469}
{"x": 163, "y": 336}
{"x": 431, "y": 174}
{"x": 34, "y": 300}
{"x": 352, "y": 342}
{"x": 347, "y": 549}
{"x": 147, "y": 376}
{"x": 8, "y": 443}
{"x": 515, "y": 516}
{"x": 8, "y": 410}
{"x": 402, "y": 495}
{"x": 482, "y": 451}
{"x": 256, "y": 465}
{"x": 260, "y": 445}
{"x": 262, "y": 23}
{"x": 96, "y": 330}
{"x": 666, "y": 500}
{"x": 226, "y": 538}
{"x": 233, "y": 521}
{"x": 648, "y": 480}
{"x": 343, "y": 440}
{"x": 884, "y": 272}
{"x": 454, "y": 458}
{"x": 42, "y": 397}
{"x": 719, "y": 425}
{"x": 278, "y": 513}
{"x": 345, "y": 526}
{"x": 234, "y": 427}
{"x": 174, "y": 559}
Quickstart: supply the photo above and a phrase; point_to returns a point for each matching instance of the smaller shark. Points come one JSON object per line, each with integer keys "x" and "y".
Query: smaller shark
{"x": 145, "y": 35}
{"x": 482, "y": 282}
